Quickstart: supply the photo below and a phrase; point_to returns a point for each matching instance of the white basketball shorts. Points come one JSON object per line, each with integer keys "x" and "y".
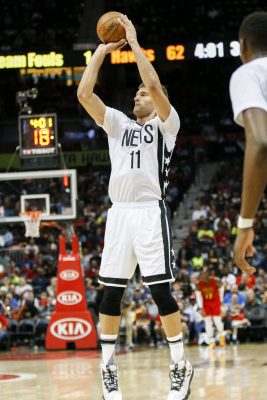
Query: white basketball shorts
{"x": 137, "y": 233}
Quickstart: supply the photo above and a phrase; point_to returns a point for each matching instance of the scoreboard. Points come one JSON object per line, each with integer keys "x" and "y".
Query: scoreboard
{"x": 38, "y": 135}
{"x": 175, "y": 51}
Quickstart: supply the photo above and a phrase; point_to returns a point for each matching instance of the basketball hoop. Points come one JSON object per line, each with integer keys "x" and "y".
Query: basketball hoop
{"x": 32, "y": 221}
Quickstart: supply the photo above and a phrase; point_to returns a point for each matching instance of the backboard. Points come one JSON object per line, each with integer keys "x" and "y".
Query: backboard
{"x": 52, "y": 192}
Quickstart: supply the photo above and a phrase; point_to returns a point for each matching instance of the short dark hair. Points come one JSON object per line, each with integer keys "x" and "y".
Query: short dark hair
{"x": 164, "y": 89}
{"x": 253, "y": 30}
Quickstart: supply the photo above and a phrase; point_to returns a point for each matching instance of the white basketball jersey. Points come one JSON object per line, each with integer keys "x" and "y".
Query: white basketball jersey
{"x": 140, "y": 155}
{"x": 248, "y": 88}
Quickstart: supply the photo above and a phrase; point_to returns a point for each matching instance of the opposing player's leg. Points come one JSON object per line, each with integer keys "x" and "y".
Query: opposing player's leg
{"x": 109, "y": 325}
{"x": 181, "y": 370}
{"x": 209, "y": 330}
{"x": 220, "y": 329}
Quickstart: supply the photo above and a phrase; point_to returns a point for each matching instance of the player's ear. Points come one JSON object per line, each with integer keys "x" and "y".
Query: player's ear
{"x": 243, "y": 50}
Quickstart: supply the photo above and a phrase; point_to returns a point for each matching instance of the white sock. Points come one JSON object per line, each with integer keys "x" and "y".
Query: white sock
{"x": 219, "y": 324}
{"x": 209, "y": 327}
{"x": 176, "y": 348}
{"x": 108, "y": 343}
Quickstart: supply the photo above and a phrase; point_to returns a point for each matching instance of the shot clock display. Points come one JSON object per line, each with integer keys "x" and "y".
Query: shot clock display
{"x": 38, "y": 135}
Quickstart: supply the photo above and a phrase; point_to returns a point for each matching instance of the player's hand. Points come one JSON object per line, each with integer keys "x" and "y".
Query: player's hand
{"x": 131, "y": 35}
{"x": 113, "y": 46}
{"x": 244, "y": 247}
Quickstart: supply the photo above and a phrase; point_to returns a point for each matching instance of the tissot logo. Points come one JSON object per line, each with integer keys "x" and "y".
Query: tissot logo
{"x": 71, "y": 328}
{"x": 69, "y": 298}
{"x": 69, "y": 275}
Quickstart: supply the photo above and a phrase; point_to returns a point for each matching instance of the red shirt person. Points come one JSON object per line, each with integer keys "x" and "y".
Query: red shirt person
{"x": 209, "y": 288}
{"x": 209, "y": 300}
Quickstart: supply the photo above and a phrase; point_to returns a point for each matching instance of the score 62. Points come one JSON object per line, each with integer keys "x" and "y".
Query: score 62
{"x": 175, "y": 52}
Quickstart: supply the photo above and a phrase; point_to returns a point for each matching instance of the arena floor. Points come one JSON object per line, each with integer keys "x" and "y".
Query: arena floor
{"x": 233, "y": 373}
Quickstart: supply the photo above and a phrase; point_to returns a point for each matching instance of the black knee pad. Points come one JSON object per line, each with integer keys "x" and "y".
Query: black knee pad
{"x": 163, "y": 298}
{"x": 111, "y": 301}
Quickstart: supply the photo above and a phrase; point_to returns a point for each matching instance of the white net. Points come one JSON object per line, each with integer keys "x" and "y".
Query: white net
{"x": 32, "y": 221}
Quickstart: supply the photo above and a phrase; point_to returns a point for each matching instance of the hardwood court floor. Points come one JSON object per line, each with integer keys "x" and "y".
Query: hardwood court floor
{"x": 233, "y": 373}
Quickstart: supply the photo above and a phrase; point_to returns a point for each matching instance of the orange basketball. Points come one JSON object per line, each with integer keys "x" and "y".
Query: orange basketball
{"x": 109, "y": 29}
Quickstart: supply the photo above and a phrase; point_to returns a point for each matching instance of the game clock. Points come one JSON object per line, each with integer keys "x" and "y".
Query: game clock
{"x": 38, "y": 135}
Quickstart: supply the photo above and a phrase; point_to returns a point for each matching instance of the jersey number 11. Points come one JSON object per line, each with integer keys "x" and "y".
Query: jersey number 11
{"x": 137, "y": 153}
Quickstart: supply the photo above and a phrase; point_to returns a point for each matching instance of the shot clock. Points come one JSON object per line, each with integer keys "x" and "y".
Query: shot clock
{"x": 38, "y": 135}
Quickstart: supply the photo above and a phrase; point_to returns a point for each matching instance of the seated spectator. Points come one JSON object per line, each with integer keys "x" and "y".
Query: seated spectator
{"x": 222, "y": 220}
{"x": 213, "y": 257}
{"x": 222, "y": 238}
{"x": 205, "y": 234}
{"x": 252, "y": 301}
{"x": 248, "y": 280}
{"x": 229, "y": 278}
{"x": 142, "y": 326}
{"x": 128, "y": 316}
{"x": 52, "y": 288}
{"x": 261, "y": 280}
{"x": 237, "y": 316}
{"x": 264, "y": 300}
{"x": 28, "y": 309}
{"x": 177, "y": 291}
{"x": 3, "y": 329}
{"x": 23, "y": 287}
{"x": 40, "y": 282}
{"x": 31, "y": 249}
{"x": 200, "y": 212}
{"x": 197, "y": 261}
{"x": 185, "y": 321}
{"x": 139, "y": 297}
{"x": 234, "y": 292}
{"x": 6, "y": 238}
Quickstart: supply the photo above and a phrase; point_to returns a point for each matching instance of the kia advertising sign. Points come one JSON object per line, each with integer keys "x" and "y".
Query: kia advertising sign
{"x": 69, "y": 275}
{"x": 71, "y": 328}
{"x": 69, "y": 298}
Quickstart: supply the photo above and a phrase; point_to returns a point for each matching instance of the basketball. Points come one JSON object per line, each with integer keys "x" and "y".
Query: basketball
{"x": 109, "y": 29}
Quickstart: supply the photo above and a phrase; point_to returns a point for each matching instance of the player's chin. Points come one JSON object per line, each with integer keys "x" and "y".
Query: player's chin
{"x": 136, "y": 111}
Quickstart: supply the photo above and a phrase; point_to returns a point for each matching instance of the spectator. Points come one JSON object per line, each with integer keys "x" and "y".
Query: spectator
{"x": 237, "y": 316}
{"x": 240, "y": 298}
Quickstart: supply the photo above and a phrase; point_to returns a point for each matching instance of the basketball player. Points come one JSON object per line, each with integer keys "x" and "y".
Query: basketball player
{"x": 248, "y": 90}
{"x": 208, "y": 297}
{"x": 138, "y": 224}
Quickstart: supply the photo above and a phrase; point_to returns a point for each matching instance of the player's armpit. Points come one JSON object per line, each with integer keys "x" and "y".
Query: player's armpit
{"x": 255, "y": 122}
{"x": 94, "y": 106}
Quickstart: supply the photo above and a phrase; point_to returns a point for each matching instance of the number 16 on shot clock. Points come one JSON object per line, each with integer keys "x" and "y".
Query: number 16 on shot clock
{"x": 38, "y": 135}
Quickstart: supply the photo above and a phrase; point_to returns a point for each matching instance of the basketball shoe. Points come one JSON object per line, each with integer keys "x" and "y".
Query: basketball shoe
{"x": 110, "y": 385}
{"x": 181, "y": 375}
{"x": 222, "y": 341}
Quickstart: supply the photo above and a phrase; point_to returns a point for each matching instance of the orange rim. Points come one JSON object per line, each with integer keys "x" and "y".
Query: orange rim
{"x": 33, "y": 215}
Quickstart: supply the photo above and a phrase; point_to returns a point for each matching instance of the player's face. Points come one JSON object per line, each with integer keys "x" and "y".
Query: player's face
{"x": 143, "y": 105}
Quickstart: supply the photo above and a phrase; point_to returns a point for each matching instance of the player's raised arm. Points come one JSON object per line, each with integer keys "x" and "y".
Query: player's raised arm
{"x": 147, "y": 72}
{"x": 89, "y": 100}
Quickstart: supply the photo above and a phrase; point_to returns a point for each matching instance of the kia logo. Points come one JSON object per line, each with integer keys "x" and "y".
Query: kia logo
{"x": 69, "y": 298}
{"x": 69, "y": 275}
{"x": 71, "y": 328}
{"x": 69, "y": 258}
